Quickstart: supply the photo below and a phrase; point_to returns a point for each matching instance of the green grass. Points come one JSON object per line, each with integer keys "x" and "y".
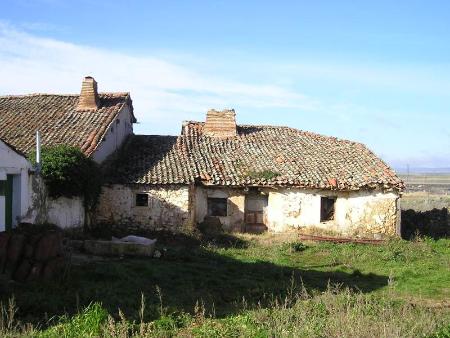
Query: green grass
{"x": 249, "y": 286}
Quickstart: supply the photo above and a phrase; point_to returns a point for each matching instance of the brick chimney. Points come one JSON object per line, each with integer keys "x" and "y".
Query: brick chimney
{"x": 220, "y": 123}
{"x": 89, "y": 96}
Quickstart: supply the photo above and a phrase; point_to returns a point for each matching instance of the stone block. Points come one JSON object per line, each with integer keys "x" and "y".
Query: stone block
{"x": 108, "y": 248}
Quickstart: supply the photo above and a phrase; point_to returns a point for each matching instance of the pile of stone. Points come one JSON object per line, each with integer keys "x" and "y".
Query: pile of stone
{"x": 30, "y": 257}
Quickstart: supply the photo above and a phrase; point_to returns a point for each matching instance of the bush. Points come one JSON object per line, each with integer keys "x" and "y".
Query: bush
{"x": 68, "y": 172}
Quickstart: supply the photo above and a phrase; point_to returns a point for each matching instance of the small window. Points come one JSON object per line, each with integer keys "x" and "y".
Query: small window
{"x": 217, "y": 207}
{"x": 327, "y": 208}
{"x": 117, "y": 121}
{"x": 141, "y": 200}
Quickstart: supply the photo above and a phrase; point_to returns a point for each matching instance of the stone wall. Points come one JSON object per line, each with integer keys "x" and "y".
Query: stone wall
{"x": 168, "y": 207}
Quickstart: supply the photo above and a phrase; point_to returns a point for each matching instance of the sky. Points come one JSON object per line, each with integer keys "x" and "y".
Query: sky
{"x": 376, "y": 72}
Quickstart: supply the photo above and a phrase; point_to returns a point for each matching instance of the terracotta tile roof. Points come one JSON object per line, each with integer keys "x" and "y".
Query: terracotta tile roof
{"x": 57, "y": 120}
{"x": 258, "y": 155}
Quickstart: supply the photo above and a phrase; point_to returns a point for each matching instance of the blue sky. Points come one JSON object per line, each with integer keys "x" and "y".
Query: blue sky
{"x": 376, "y": 72}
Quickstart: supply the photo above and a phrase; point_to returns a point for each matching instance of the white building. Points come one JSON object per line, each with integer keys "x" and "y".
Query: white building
{"x": 97, "y": 123}
{"x": 14, "y": 185}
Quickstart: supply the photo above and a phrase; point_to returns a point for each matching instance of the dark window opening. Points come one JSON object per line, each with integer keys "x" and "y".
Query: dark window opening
{"x": 141, "y": 200}
{"x": 217, "y": 207}
{"x": 327, "y": 208}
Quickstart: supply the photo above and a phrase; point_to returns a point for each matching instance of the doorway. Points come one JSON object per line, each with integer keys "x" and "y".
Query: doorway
{"x": 256, "y": 213}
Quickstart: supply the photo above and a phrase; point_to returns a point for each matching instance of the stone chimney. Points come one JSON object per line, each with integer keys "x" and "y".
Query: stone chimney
{"x": 89, "y": 96}
{"x": 220, "y": 123}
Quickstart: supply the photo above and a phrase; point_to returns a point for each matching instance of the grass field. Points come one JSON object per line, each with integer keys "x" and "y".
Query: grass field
{"x": 255, "y": 286}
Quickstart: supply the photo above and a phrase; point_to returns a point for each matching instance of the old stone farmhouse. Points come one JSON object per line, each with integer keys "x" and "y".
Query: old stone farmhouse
{"x": 95, "y": 122}
{"x": 215, "y": 173}
{"x": 250, "y": 178}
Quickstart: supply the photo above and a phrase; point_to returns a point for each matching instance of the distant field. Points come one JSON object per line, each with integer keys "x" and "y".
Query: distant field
{"x": 438, "y": 184}
{"x": 439, "y": 179}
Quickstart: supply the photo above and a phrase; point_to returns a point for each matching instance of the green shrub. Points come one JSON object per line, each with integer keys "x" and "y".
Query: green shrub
{"x": 68, "y": 172}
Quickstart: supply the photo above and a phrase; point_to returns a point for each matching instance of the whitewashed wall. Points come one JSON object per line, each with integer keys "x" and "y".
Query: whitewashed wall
{"x": 11, "y": 163}
{"x": 115, "y": 135}
{"x": 66, "y": 212}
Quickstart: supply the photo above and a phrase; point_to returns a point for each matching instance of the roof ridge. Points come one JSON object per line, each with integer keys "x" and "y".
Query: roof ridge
{"x": 8, "y": 96}
{"x": 302, "y": 131}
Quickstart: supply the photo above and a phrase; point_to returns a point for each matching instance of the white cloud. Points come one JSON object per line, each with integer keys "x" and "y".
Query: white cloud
{"x": 163, "y": 93}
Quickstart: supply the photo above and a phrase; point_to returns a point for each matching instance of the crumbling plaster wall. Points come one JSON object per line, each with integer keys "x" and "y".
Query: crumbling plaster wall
{"x": 63, "y": 212}
{"x": 358, "y": 212}
{"x": 168, "y": 207}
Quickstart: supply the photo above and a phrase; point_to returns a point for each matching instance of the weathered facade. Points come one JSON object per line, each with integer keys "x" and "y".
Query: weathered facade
{"x": 181, "y": 208}
{"x": 165, "y": 207}
{"x": 251, "y": 178}
{"x": 97, "y": 123}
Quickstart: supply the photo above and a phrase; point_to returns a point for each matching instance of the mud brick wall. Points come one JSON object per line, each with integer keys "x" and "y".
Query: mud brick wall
{"x": 30, "y": 257}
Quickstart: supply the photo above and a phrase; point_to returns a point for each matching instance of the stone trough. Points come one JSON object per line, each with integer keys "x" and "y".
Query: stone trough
{"x": 127, "y": 246}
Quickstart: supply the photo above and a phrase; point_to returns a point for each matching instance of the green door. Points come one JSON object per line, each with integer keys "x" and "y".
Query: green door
{"x": 8, "y": 202}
